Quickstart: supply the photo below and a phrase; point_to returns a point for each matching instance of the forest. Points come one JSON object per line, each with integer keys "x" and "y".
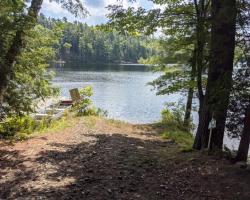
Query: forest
{"x": 82, "y": 43}
{"x": 202, "y": 53}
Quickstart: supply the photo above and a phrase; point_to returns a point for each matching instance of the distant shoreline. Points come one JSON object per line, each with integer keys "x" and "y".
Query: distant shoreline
{"x": 97, "y": 63}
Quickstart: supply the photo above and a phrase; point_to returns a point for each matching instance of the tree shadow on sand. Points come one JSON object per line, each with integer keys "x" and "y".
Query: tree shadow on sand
{"x": 114, "y": 167}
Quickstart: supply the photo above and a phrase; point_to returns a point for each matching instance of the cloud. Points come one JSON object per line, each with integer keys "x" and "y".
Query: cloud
{"x": 53, "y": 9}
{"x": 97, "y": 9}
{"x": 95, "y": 3}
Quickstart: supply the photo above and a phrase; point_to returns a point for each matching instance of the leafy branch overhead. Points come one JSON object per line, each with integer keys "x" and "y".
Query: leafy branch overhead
{"x": 172, "y": 16}
{"x": 75, "y": 7}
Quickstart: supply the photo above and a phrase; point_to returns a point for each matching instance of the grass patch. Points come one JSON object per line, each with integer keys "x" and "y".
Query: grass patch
{"x": 58, "y": 125}
{"x": 53, "y": 127}
{"x": 182, "y": 138}
{"x": 172, "y": 124}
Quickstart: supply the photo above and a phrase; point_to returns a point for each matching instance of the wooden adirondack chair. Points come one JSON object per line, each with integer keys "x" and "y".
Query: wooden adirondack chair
{"x": 75, "y": 95}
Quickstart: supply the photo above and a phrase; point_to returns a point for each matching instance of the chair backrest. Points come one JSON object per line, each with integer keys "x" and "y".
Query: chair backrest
{"x": 75, "y": 95}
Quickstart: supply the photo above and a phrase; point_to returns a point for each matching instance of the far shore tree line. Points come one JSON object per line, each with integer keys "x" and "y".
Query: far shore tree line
{"x": 89, "y": 44}
{"x": 204, "y": 52}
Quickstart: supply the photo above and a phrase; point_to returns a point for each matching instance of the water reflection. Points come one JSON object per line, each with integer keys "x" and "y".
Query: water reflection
{"x": 122, "y": 90}
{"x": 76, "y": 66}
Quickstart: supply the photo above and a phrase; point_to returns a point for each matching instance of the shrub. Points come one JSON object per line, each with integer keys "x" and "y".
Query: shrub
{"x": 167, "y": 116}
{"x": 24, "y": 125}
{"x": 173, "y": 115}
{"x": 85, "y": 106}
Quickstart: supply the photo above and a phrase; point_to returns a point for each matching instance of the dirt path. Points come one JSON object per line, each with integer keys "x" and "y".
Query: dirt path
{"x": 97, "y": 159}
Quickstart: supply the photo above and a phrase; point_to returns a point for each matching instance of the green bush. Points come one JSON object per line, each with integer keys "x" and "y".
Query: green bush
{"x": 85, "y": 106}
{"x": 167, "y": 116}
{"x": 25, "y": 125}
{"x": 173, "y": 115}
{"x": 15, "y": 124}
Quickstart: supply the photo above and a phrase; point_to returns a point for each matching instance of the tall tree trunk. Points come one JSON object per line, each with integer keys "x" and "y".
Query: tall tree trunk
{"x": 200, "y": 58}
{"x": 188, "y": 110}
{"x": 18, "y": 42}
{"x": 220, "y": 71}
{"x": 242, "y": 153}
{"x": 200, "y": 35}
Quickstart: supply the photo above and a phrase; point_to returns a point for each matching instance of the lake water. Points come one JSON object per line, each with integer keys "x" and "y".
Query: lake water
{"x": 122, "y": 90}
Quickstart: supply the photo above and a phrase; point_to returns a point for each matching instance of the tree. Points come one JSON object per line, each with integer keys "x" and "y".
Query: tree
{"x": 242, "y": 153}
{"x": 239, "y": 99}
{"x": 31, "y": 80}
{"x": 178, "y": 62}
{"x": 239, "y": 106}
{"x": 219, "y": 73}
{"x": 21, "y": 22}
{"x": 188, "y": 109}
{"x": 14, "y": 49}
{"x": 180, "y": 20}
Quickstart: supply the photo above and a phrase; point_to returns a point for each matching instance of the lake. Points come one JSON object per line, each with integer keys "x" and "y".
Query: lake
{"x": 122, "y": 90}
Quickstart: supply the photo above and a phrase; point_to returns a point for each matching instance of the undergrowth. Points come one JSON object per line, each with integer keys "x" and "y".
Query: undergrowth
{"x": 21, "y": 128}
{"x": 174, "y": 130}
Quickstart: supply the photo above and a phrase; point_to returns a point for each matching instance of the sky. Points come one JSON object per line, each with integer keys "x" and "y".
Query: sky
{"x": 96, "y": 9}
